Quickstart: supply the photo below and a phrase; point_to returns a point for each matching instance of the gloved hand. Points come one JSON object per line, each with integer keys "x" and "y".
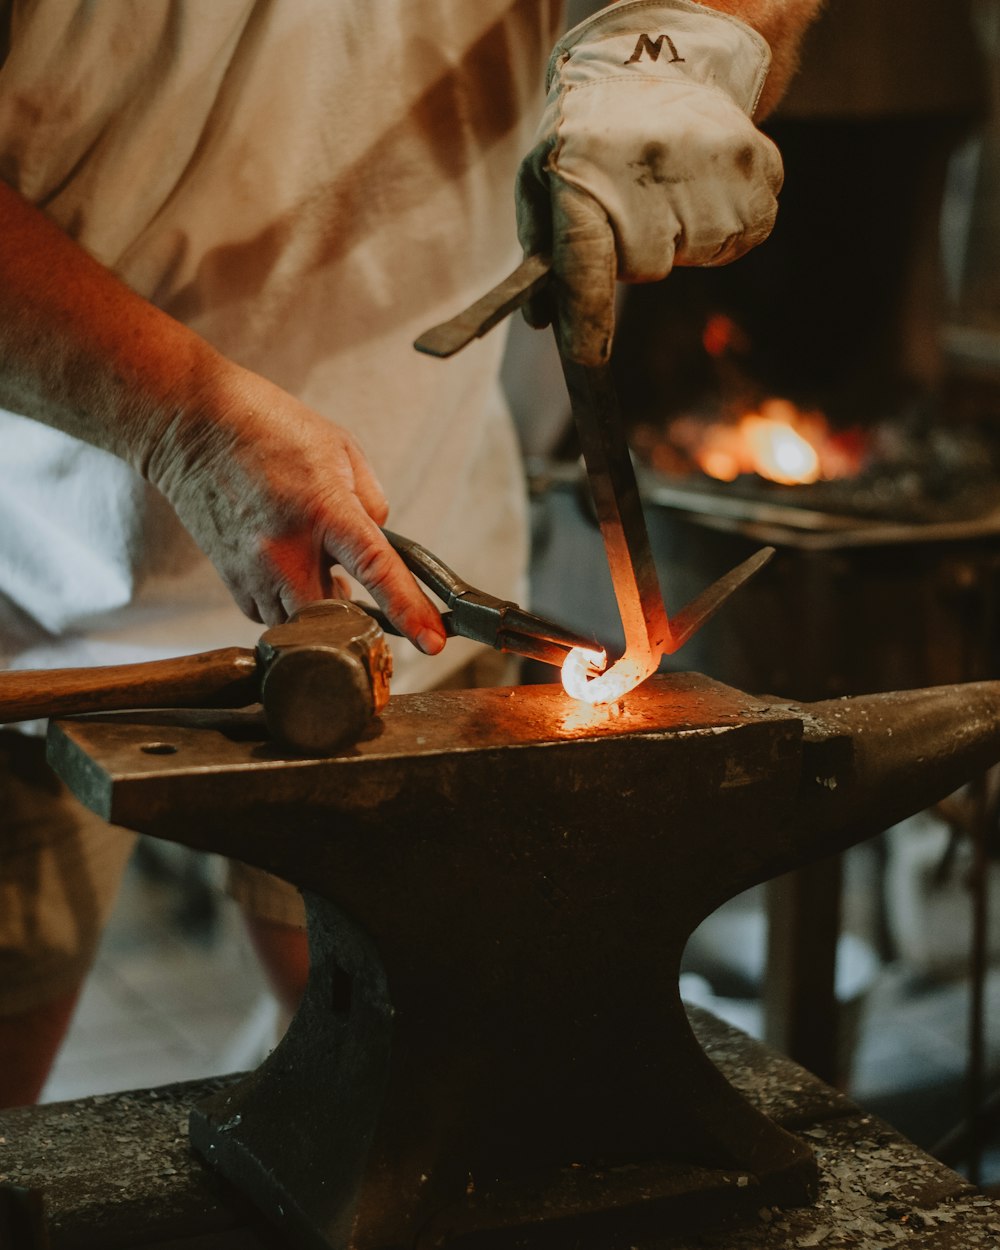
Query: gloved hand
{"x": 274, "y": 495}
{"x": 645, "y": 158}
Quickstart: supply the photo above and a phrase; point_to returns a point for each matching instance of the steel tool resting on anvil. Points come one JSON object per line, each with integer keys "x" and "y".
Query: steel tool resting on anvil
{"x": 649, "y": 632}
{"x": 321, "y": 676}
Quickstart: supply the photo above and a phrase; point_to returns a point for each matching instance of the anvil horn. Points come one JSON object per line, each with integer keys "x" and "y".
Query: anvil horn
{"x": 871, "y": 761}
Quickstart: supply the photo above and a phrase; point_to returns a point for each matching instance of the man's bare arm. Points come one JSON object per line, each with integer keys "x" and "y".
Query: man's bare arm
{"x": 272, "y": 492}
{"x": 782, "y": 23}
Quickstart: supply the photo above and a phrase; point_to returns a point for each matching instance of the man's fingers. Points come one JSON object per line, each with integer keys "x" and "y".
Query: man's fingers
{"x": 585, "y": 264}
{"x": 292, "y": 574}
{"x": 534, "y": 230}
{"x": 368, "y": 557}
{"x": 296, "y": 570}
{"x": 534, "y": 211}
{"x": 316, "y": 583}
{"x": 367, "y": 486}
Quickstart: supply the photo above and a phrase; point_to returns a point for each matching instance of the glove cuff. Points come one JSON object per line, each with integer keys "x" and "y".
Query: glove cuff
{"x": 677, "y": 39}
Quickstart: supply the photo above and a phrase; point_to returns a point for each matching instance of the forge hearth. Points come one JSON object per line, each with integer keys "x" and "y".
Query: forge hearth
{"x": 902, "y": 470}
{"x": 848, "y": 605}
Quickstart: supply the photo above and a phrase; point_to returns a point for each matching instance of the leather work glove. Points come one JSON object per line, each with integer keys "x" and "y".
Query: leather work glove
{"x": 645, "y": 158}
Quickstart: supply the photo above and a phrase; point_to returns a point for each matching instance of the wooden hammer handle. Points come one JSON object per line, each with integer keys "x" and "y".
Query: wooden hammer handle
{"x": 224, "y": 678}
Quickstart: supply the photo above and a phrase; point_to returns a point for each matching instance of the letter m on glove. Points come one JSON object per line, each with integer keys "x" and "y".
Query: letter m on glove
{"x": 653, "y": 48}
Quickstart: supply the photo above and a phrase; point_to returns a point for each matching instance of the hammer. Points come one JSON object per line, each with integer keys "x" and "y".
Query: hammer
{"x": 321, "y": 676}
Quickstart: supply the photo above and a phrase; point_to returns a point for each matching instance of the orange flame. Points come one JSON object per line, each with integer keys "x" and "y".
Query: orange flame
{"x": 779, "y": 442}
{"x": 780, "y": 453}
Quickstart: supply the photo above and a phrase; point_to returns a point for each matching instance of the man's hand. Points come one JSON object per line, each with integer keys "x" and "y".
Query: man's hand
{"x": 271, "y": 491}
{"x": 646, "y": 157}
{"x": 275, "y": 495}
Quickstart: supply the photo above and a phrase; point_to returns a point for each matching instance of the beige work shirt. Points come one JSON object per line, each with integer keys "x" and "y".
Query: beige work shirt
{"x": 308, "y": 184}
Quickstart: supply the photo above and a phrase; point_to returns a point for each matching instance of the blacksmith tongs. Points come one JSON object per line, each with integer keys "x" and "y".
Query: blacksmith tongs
{"x": 484, "y": 618}
{"x": 649, "y": 633}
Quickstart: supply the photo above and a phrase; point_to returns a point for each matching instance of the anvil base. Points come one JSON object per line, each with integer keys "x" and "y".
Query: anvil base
{"x": 116, "y": 1173}
{"x": 401, "y": 1094}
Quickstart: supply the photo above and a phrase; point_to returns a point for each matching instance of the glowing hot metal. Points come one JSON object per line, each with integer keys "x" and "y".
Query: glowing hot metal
{"x": 579, "y": 671}
{"x": 649, "y": 634}
{"x": 583, "y": 679}
{"x": 584, "y": 676}
{"x": 618, "y": 506}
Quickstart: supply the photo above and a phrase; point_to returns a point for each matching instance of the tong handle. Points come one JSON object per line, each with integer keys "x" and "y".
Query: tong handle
{"x": 513, "y": 292}
{"x": 427, "y": 568}
{"x": 223, "y": 678}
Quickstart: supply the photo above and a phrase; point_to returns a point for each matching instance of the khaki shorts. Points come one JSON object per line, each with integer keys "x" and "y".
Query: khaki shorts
{"x": 61, "y": 867}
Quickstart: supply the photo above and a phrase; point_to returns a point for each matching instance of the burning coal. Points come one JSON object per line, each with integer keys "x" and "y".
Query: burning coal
{"x": 776, "y": 440}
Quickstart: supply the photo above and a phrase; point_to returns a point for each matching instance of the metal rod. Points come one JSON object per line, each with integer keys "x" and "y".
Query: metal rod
{"x": 619, "y": 508}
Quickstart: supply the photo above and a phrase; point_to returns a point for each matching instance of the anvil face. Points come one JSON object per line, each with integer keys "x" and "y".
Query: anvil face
{"x": 499, "y": 888}
{"x": 151, "y": 769}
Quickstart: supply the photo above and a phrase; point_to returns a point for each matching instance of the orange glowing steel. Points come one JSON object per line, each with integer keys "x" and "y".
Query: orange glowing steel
{"x": 579, "y": 668}
{"x": 584, "y": 676}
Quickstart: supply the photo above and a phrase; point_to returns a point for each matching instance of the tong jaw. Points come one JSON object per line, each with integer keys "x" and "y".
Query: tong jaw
{"x": 482, "y": 617}
{"x": 649, "y": 632}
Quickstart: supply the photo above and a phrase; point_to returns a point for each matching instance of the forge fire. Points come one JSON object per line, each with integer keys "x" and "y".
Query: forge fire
{"x": 915, "y": 463}
{"x": 775, "y": 440}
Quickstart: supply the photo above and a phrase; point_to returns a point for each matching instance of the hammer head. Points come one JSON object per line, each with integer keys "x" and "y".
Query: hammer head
{"x": 326, "y": 674}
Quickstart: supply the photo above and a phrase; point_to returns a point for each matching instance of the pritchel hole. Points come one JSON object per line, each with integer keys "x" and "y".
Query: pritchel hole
{"x": 158, "y": 748}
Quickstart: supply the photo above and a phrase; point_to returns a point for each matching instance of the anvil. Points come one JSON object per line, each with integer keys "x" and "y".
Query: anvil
{"x": 492, "y": 1050}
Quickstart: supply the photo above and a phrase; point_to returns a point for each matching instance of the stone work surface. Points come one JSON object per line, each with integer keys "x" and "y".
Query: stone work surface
{"x": 117, "y": 1173}
{"x": 876, "y": 1188}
